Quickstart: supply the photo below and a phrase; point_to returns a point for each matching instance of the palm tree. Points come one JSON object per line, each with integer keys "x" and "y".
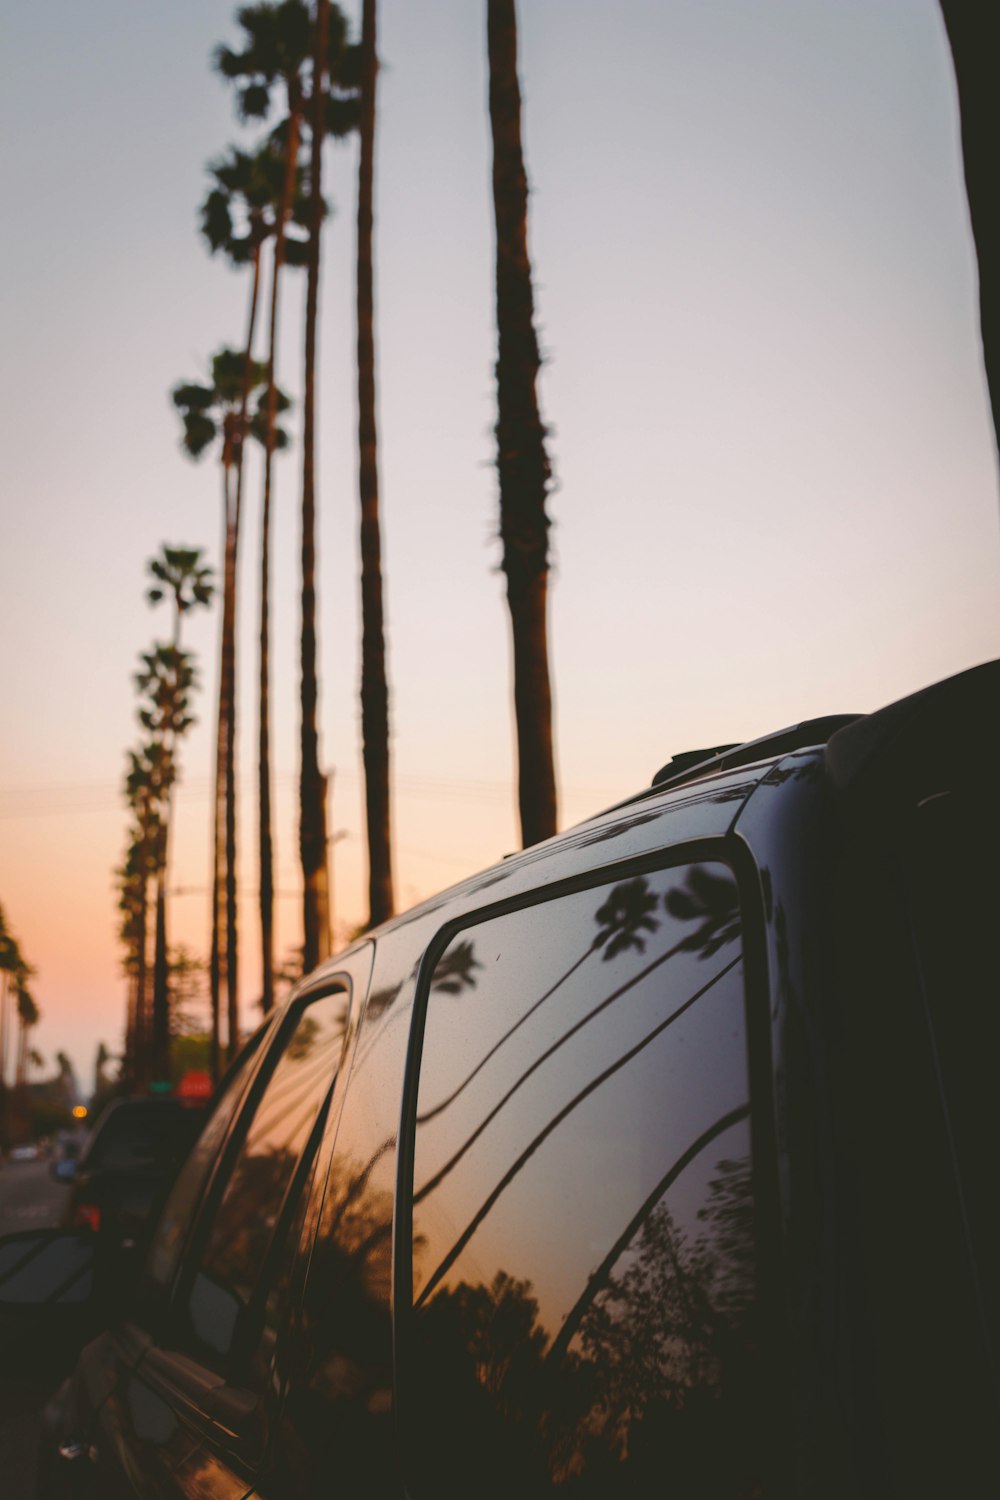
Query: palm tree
{"x": 277, "y": 52}
{"x": 220, "y": 410}
{"x": 165, "y": 680}
{"x": 332, "y": 110}
{"x": 179, "y": 574}
{"x": 276, "y": 44}
{"x": 970, "y": 31}
{"x": 28, "y": 1015}
{"x": 15, "y": 972}
{"x": 522, "y": 462}
{"x": 374, "y": 684}
{"x": 148, "y": 767}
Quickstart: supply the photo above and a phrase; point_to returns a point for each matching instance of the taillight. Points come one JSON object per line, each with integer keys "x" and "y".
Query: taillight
{"x": 87, "y": 1216}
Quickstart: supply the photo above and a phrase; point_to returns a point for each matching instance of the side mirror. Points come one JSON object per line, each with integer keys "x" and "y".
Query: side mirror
{"x": 51, "y": 1303}
{"x": 46, "y": 1266}
{"x": 63, "y": 1170}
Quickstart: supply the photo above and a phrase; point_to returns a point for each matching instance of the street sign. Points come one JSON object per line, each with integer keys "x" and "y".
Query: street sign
{"x": 195, "y": 1086}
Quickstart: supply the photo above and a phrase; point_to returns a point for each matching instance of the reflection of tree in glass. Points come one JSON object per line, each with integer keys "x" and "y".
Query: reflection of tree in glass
{"x": 710, "y": 899}
{"x": 245, "y": 1221}
{"x": 449, "y": 977}
{"x": 705, "y": 897}
{"x": 342, "y": 1407}
{"x": 304, "y": 1039}
{"x": 553, "y": 1124}
{"x": 620, "y": 918}
{"x": 627, "y": 912}
{"x": 661, "y": 1379}
{"x": 454, "y": 970}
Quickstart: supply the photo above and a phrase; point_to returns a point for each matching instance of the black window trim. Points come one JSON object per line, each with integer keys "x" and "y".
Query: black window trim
{"x": 176, "y": 1334}
{"x": 728, "y": 849}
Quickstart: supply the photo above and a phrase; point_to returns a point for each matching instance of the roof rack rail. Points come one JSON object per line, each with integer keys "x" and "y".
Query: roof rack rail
{"x": 691, "y": 764}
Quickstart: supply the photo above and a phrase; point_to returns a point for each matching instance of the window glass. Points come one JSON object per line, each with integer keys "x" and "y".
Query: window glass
{"x": 583, "y": 1243}
{"x": 180, "y": 1206}
{"x": 239, "y": 1237}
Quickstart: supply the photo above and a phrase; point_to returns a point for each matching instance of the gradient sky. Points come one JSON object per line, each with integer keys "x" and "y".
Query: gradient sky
{"x": 777, "y": 485}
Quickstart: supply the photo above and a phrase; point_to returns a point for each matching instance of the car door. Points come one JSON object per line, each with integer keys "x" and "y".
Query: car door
{"x": 193, "y": 1416}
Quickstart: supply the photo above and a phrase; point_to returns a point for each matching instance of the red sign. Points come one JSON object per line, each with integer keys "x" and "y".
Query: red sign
{"x": 195, "y": 1086}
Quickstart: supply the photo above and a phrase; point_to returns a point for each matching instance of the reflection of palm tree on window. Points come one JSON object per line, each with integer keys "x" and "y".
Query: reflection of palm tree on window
{"x": 622, "y": 919}
{"x": 552, "y": 1125}
{"x": 669, "y": 1340}
{"x": 600, "y": 1281}
{"x": 453, "y": 974}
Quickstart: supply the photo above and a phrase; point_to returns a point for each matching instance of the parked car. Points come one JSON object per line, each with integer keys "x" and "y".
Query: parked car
{"x": 659, "y": 1159}
{"x": 127, "y": 1163}
{"x": 25, "y": 1151}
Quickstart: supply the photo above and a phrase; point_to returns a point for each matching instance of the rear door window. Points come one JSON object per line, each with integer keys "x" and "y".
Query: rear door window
{"x": 236, "y": 1236}
{"x": 583, "y": 1306}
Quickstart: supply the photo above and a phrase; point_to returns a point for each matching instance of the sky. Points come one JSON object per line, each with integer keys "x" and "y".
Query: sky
{"x": 776, "y": 479}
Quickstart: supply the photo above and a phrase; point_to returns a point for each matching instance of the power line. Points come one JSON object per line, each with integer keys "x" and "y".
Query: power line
{"x": 70, "y": 799}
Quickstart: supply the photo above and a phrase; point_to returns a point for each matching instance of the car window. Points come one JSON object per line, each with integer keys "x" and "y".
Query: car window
{"x": 240, "y": 1252}
{"x": 583, "y": 1302}
{"x": 175, "y": 1220}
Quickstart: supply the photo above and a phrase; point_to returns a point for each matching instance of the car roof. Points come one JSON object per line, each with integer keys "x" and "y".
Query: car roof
{"x": 713, "y": 786}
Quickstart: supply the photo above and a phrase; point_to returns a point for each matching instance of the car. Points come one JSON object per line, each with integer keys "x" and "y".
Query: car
{"x": 658, "y": 1159}
{"x": 24, "y": 1151}
{"x": 126, "y": 1165}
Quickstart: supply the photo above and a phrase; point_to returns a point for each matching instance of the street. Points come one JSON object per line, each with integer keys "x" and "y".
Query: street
{"x": 29, "y": 1199}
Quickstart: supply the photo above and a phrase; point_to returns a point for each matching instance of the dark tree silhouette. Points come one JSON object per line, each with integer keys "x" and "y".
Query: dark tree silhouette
{"x": 331, "y": 109}
{"x": 220, "y": 409}
{"x": 971, "y": 28}
{"x": 374, "y": 682}
{"x": 522, "y": 462}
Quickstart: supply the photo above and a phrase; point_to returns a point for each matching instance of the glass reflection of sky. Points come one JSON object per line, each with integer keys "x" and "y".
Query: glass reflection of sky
{"x": 564, "y": 1209}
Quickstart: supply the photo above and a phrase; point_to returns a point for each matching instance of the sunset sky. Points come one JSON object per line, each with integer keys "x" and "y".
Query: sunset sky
{"x": 776, "y": 478}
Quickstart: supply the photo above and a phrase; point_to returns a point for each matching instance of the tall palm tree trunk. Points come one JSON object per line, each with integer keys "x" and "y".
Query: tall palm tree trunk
{"x": 4, "y": 991}
{"x": 374, "y": 686}
{"x": 312, "y": 803}
{"x": 522, "y": 462}
{"x": 160, "y": 1038}
{"x": 229, "y": 672}
{"x": 218, "y": 819}
{"x": 22, "y": 1053}
{"x": 264, "y": 750}
{"x": 971, "y": 33}
{"x": 141, "y": 1068}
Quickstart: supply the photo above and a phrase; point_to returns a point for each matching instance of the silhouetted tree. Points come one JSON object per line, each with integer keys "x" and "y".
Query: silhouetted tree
{"x": 164, "y": 681}
{"x": 971, "y": 31}
{"x": 220, "y": 409}
{"x": 275, "y": 48}
{"x": 374, "y": 682}
{"x": 238, "y": 215}
{"x": 522, "y": 462}
{"x": 332, "y": 109}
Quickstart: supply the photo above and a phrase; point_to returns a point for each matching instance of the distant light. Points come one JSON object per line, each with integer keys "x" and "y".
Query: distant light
{"x": 80, "y": 1111}
{"x": 160, "y": 1086}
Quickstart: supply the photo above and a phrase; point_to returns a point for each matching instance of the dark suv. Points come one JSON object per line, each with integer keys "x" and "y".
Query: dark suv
{"x": 659, "y": 1160}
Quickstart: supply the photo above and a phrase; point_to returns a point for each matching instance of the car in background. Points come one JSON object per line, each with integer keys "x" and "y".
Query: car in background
{"x": 657, "y": 1160}
{"x": 25, "y": 1151}
{"x": 126, "y": 1165}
